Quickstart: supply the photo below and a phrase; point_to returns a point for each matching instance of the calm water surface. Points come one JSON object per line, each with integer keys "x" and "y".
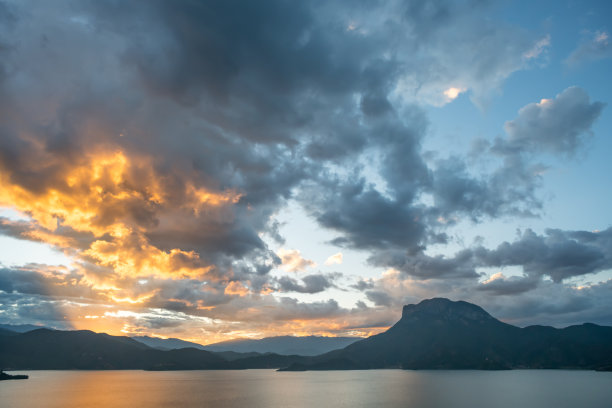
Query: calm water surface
{"x": 268, "y": 388}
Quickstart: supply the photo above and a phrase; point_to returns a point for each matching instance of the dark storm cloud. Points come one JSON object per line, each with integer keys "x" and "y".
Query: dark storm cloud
{"x": 22, "y": 282}
{"x": 186, "y": 126}
{"x": 556, "y": 125}
{"x": 27, "y": 309}
{"x": 362, "y": 285}
{"x": 14, "y": 229}
{"x": 310, "y": 283}
{"x": 555, "y": 304}
{"x": 214, "y": 159}
{"x": 292, "y": 309}
{"x": 364, "y": 217}
{"x": 558, "y": 254}
{"x": 46, "y": 281}
{"x": 510, "y": 286}
{"x": 427, "y": 267}
{"x": 379, "y": 298}
{"x": 508, "y": 191}
{"x": 233, "y": 93}
{"x": 214, "y": 45}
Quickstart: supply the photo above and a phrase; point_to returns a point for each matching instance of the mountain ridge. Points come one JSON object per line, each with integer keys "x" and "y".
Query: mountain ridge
{"x": 284, "y": 345}
{"x": 441, "y": 334}
{"x": 434, "y": 334}
{"x": 244, "y": 347}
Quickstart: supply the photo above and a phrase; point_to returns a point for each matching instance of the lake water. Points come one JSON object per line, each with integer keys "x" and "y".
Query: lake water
{"x": 268, "y": 388}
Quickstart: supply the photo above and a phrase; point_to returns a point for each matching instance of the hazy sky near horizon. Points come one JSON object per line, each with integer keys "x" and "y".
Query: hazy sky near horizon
{"x": 209, "y": 170}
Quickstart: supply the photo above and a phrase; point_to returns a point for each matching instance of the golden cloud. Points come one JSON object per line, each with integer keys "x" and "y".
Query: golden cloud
{"x": 292, "y": 260}
{"x": 117, "y": 199}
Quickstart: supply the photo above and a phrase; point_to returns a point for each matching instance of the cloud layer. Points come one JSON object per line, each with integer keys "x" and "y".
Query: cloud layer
{"x": 154, "y": 143}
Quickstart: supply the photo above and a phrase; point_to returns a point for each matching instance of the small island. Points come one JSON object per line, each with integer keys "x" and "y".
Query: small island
{"x": 5, "y": 376}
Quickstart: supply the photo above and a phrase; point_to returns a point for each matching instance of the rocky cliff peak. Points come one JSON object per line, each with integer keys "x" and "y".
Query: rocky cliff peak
{"x": 445, "y": 309}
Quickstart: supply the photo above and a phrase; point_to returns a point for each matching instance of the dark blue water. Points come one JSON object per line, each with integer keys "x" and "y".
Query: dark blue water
{"x": 268, "y": 388}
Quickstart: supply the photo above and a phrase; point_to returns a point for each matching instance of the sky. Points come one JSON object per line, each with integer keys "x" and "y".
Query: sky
{"x": 214, "y": 170}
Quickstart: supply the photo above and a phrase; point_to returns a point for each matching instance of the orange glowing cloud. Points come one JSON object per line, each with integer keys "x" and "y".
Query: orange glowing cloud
{"x": 116, "y": 199}
{"x": 236, "y": 288}
{"x": 292, "y": 260}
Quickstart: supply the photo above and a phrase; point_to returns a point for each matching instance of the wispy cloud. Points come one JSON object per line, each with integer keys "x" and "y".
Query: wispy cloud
{"x": 596, "y": 45}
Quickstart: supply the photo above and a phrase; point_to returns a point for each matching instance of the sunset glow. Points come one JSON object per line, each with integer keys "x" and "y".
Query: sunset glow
{"x": 210, "y": 171}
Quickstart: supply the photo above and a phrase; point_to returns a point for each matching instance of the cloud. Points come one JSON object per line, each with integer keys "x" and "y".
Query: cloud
{"x": 519, "y": 300}
{"x": 363, "y": 216}
{"x": 451, "y": 34}
{"x": 427, "y": 267}
{"x": 292, "y": 260}
{"x": 154, "y": 143}
{"x": 559, "y": 125}
{"x": 236, "y": 288}
{"x": 592, "y": 48}
{"x": 193, "y": 88}
{"x": 539, "y": 47}
{"x": 310, "y": 284}
{"x": 558, "y": 254}
{"x": 334, "y": 259}
{"x": 499, "y": 284}
{"x": 509, "y": 190}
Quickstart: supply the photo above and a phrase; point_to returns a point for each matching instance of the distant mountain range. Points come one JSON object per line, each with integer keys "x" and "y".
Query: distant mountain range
{"x": 45, "y": 349}
{"x": 54, "y": 349}
{"x": 166, "y": 344}
{"x": 173, "y": 344}
{"x": 434, "y": 334}
{"x": 20, "y": 328}
{"x": 287, "y": 345}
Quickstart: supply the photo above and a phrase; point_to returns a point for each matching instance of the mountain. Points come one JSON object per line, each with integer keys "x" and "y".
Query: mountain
{"x": 434, "y": 334}
{"x": 57, "y": 350}
{"x": 5, "y": 332}
{"x": 20, "y": 328}
{"x": 166, "y": 344}
{"x": 442, "y": 334}
{"x": 173, "y": 344}
{"x": 286, "y": 345}
{"x": 45, "y": 349}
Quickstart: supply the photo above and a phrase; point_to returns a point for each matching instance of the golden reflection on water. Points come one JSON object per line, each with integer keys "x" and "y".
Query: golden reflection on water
{"x": 269, "y": 389}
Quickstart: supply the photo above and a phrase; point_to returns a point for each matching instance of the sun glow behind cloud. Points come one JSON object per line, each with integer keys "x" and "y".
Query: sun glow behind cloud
{"x": 92, "y": 213}
{"x": 452, "y": 93}
{"x": 98, "y": 212}
{"x": 159, "y": 165}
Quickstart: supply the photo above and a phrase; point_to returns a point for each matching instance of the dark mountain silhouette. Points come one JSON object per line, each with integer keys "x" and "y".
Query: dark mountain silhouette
{"x": 5, "y": 332}
{"x": 83, "y": 349}
{"x": 441, "y": 334}
{"x": 172, "y": 344}
{"x": 242, "y": 348}
{"x": 20, "y": 328}
{"x": 45, "y": 349}
{"x": 435, "y": 334}
{"x": 166, "y": 344}
{"x": 286, "y": 345}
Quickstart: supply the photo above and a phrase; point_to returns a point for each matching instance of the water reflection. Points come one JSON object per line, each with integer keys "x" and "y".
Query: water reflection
{"x": 267, "y": 388}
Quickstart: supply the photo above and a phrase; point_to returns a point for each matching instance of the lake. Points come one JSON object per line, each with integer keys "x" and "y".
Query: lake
{"x": 268, "y": 388}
